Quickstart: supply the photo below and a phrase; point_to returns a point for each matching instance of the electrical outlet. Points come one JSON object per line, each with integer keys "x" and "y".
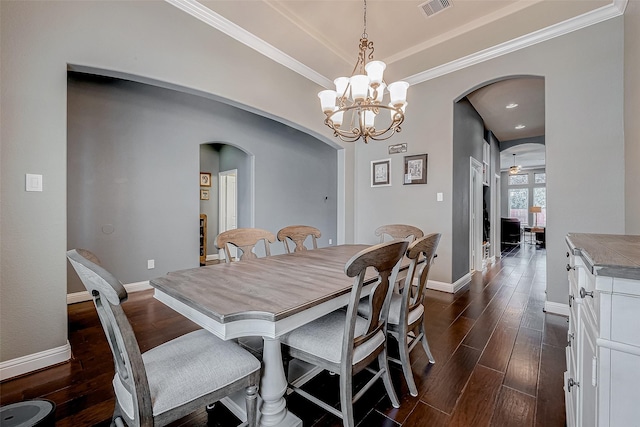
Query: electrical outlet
{"x": 330, "y": 241}
{"x": 151, "y": 264}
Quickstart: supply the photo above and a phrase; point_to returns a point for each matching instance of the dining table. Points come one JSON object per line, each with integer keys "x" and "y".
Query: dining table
{"x": 265, "y": 297}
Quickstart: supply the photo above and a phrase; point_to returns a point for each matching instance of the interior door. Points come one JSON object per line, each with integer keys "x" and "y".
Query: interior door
{"x": 228, "y": 202}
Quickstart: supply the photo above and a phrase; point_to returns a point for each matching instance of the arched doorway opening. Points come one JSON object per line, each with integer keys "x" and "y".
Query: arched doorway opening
{"x": 492, "y": 120}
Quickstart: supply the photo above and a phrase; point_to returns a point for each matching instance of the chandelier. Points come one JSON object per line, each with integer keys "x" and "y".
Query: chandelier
{"x": 352, "y": 109}
{"x": 513, "y": 170}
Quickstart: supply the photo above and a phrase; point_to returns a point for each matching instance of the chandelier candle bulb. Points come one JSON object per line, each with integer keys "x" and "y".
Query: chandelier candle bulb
{"x": 327, "y": 100}
{"x": 359, "y": 87}
{"x": 369, "y": 118}
{"x": 398, "y": 93}
{"x": 341, "y": 86}
{"x": 375, "y": 69}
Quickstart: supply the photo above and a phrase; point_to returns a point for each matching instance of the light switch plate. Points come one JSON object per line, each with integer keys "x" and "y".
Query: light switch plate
{"x": 33, "y": 182}
{"x": 439, "y": 197}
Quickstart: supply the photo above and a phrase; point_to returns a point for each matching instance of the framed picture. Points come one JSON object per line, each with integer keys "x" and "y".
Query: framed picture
{"x": 415, "y": 169}
{"x": 381, "y": 173}
{"x": 205, "y": 179}
{"x": 204, "y": 194}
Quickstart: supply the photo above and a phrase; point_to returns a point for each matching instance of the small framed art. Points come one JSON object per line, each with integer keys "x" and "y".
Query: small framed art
{"x": 205, "y": 179}
{"x": 381, "y": 173}
{"x": 415, "y": 169}
{"x": 204, "y": 194}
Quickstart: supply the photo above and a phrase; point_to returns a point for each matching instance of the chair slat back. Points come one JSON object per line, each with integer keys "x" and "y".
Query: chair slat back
{"x": 107, "y": 293}
{"x": 298, "y": 234}
{"x": 385, "y": 259}
{"x": 425, "y": 248}
{"x": 398, "y": 231}
{"x": 246, "y": 240}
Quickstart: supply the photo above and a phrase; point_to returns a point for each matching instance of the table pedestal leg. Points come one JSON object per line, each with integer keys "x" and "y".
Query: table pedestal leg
{"x": 273, "y": 386}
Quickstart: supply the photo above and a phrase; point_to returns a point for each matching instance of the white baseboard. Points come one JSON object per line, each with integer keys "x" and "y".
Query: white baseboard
{"x": 86, "y": 296}
{"x": 556, "y": 308}
{"x": 212, "y": 257}
{"x": 451, "y": 288}
{"x": 33, "y": 362}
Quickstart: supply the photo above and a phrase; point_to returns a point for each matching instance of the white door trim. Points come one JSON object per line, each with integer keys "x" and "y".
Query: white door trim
{"x": 475, "y": 215}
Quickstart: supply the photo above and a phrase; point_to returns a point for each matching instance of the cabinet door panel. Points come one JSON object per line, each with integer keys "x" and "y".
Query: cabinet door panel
{"x": 625, "y": 389}
{"x": 587, "y": 374}
{"x": 570, "y": 401}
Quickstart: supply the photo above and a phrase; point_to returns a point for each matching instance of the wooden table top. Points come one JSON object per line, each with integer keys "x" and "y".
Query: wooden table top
{"x": 270, "y": 288}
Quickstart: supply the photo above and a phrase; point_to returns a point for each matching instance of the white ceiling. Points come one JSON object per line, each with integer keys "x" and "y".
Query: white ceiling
{"x": 319, "y": 39}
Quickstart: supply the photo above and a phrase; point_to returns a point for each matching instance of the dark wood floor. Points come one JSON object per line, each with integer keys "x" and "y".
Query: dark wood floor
{"x": 499, "y": 360}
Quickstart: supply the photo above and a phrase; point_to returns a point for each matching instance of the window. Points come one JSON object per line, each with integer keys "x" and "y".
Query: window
{"x": 540, "y": 178}
{"x": 540, "y": 199}
{"x": 518, "y": 179}
{"x": 519, "y": 204}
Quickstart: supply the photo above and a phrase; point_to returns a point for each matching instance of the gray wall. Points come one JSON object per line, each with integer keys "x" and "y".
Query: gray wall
{"x": 468, "y": 140}
{"x": 631, "y": 114}
{"x": 134, "y": 154}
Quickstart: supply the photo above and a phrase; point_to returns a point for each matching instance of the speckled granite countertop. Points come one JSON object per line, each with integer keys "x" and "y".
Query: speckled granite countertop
{"x": 613, "y": 255}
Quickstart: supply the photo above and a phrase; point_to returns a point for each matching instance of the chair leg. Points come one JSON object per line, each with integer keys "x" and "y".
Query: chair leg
{"x": 403, "y": 349}
{"x": 116, "y": 419}
{"x": 251, "y": 402}
{"x": 386, "y": 378}
{"x": 346, "y": 400}
{"x": 425, "y": 345}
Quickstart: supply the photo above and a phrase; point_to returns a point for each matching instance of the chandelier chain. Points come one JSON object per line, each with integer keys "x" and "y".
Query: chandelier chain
{"x": 364, "y": 31}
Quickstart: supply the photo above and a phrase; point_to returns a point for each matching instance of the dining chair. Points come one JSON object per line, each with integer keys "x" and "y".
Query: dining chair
{"x": 398, "y": 231}
{"x": 406, "y": 310}
{"x": 298, "y": 234}
{"x": 344, "y": 342}
{"x": 169, "y": 381}
{"x": 246, "y": 240}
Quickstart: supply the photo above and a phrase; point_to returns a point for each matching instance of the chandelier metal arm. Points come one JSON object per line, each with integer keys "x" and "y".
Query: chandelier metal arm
{"x": 361, "y": 131}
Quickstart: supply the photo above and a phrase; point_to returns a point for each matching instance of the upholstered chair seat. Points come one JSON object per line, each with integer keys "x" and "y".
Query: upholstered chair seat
{"x": 323, "y": 338}
{"x": 183, "y": 369}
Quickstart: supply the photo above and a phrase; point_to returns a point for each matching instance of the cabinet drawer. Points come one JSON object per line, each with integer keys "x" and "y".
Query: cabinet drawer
{"x": 585, "y": 291}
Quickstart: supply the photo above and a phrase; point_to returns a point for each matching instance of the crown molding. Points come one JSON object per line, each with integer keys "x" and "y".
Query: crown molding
{"x": 209, "y": 17}
{"x": 206, "y": 15}
{"x": 587, "y": 19}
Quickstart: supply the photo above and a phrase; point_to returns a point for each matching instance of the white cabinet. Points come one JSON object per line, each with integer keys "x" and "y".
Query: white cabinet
{"x": 602, "y": 381}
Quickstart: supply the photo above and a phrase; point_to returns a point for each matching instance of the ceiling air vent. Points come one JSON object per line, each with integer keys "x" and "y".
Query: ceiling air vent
{"x": 432, "y": 7}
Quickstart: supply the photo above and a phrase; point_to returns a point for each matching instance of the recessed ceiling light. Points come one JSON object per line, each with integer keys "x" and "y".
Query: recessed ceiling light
{"x": 520, "y": 127}
{"x": 512, "y": 105}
